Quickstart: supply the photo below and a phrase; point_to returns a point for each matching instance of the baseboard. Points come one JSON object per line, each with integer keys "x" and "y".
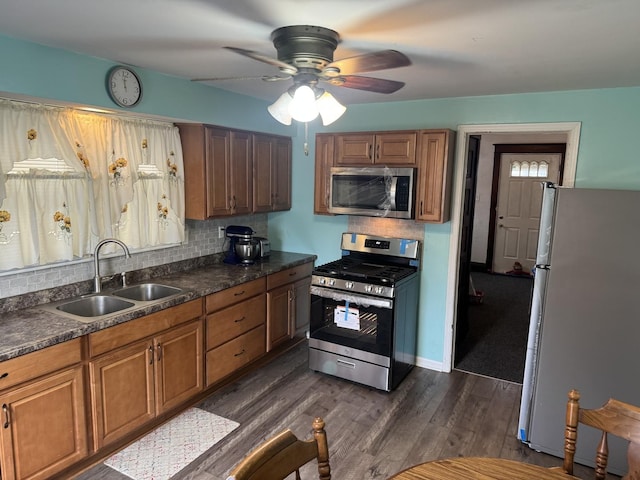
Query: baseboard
{"x": 430, "y": 364}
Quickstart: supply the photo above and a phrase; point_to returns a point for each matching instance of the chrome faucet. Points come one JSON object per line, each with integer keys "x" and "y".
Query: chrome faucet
{"x": 97, "y": 280}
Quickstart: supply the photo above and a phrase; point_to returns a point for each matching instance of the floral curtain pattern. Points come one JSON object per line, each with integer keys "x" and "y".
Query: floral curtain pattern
{"x": 123, "y": 178}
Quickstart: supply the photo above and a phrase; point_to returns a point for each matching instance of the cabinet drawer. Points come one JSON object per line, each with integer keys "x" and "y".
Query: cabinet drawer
{"x": 149, "y": 325}
{"x": 290, "y": 275}
{"x": 32, "y": 365}
{"x": 232, "y": 295}
{"x": 232, "y": 321}
{"x": 234, "y": 354}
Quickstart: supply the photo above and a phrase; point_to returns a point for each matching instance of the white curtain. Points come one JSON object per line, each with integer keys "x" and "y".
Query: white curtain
{"x": 98, "y": 176}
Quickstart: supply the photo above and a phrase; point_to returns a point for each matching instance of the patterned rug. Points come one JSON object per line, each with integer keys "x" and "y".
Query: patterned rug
{"x": 168, "y": 449}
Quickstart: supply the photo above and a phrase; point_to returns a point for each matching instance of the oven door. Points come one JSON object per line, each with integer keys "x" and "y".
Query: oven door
{"x": 354, "y": 321}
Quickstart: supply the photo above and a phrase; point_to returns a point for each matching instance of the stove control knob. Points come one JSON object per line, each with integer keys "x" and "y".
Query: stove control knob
{"x": 379, "y": 290}
{"x": 348, "y": 285}
{"x": 332, "y": 282}
{"x": 368, "y": 288}
{"x": 322, "y": 281}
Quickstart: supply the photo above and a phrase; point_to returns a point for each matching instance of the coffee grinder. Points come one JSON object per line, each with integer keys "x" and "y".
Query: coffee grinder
{"x": 243, "y": 249}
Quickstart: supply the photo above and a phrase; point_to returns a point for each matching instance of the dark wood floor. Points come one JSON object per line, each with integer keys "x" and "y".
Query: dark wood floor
{"x": 371, "y": 434}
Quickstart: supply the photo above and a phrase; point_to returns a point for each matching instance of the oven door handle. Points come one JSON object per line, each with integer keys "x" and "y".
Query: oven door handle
{"x": 342, "y": 296}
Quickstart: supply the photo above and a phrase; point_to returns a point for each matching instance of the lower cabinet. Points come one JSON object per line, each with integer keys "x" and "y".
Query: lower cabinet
{"x": 133, "y": 384}
{"x": 235, "y": 329}
{"x": 288, "y": 303}
{"x": 44, "y": 428}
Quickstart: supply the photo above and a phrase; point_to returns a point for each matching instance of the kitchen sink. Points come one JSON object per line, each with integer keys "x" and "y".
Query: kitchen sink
{"x": 145, "y": 292}
{"x": 94, "y": 306}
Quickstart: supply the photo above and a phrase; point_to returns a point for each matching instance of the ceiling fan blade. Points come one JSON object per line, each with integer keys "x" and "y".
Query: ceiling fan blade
{"x": 370, "y": 62}
{"x": 266, "y": 78}
{"x": 284, "y": 67}
{"x": 370, "y": 84}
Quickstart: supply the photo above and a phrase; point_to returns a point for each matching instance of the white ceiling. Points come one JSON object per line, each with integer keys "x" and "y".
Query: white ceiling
{"x": 457, "y": 47}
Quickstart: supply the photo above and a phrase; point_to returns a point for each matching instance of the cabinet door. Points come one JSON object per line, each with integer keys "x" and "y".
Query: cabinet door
{"x": 218, "y": 172}
{"x": 263, "y": 169}
{"x": 435, "y": 169}
{"x": 398, "y": 148}
{"x": 122, "y": 391}
{"x": 282, "y": 175}
{"x": 241, "y": 173}
{"x": 44, "y": 426}
{"x": 279, "y": 315}
{"x": 355, "y": 149}
{"x": 178, "y": 360}
{"x": 324, "y": 161}
{"x": 302, "y": 306}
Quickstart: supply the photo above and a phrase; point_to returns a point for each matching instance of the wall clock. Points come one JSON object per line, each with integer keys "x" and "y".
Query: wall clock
{"x": 124, "y": 86}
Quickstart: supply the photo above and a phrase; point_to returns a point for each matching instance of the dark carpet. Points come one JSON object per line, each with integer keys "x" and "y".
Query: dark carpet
{"x": 496, "y": 343}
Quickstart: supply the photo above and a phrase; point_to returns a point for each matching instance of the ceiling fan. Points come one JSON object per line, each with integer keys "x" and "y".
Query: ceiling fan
{"x": 305, "y": 54}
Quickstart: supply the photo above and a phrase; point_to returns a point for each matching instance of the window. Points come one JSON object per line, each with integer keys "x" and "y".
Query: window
{"x": 529, "y": 169}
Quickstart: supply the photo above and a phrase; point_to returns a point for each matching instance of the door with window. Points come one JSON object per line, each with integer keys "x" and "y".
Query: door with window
{"x": 518, "y": 204}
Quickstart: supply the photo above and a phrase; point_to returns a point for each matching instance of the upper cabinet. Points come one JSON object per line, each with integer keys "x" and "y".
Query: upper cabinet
{"x": 219, "y": 165}
{"x": 384, "y": 148}
{"x": 325, "y": 146}
{"x": 430, "y": 151}
{"x": 271, "y": 173}
{"x": 435, "y": 169}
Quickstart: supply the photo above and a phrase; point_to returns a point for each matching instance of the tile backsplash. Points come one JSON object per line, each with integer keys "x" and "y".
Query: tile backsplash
{"x": 202, "y": 240}
{"x": 387, "y": 227}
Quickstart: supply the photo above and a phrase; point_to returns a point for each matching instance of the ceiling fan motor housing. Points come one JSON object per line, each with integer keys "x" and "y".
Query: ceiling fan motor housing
{"x": 305, "y": 46}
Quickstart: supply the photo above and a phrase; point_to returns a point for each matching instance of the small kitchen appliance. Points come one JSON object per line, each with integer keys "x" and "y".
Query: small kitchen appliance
{"x": 364, "y": 311}
{"x": 265, "y": 247}
{"x": 243, "y": 248}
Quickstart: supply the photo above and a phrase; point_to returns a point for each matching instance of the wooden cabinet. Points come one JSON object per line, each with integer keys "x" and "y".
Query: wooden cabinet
{"x": 271, "y": 173}
{"x": 383, "y": 148}
{"x": 143, "y": 368}
{"x": 435, "y": 169}
{"x": 43, "y": 412}
{"x": 287, "y": 296}
{"x": 325, "y": 143}
{"x": 431, "y": 151}
{"x": 235, "y": 329}
{"x": 218, "y": 170}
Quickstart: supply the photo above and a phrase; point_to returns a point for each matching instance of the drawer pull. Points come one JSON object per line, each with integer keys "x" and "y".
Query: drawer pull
{"x": 238, "y": 354}
{"x": 238, "y": 320}
{"x": 4, "y": 375}
{"x": 237, "y": 294}
{"x": 5, "y": 409}
{"x": 342, "y": 363}
{"x": 293, "y": 274}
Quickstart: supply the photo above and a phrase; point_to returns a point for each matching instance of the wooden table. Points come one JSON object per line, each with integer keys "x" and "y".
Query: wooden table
{"x": 479, "y": 468}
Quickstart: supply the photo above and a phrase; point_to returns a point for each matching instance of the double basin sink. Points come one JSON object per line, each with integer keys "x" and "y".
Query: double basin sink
{"x": 88, "y": 308}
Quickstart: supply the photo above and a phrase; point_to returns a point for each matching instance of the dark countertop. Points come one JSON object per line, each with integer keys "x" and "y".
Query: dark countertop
{"x": 26, "y": 330}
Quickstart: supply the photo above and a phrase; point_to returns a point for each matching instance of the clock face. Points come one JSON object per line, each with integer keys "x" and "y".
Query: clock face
{"x": 124, "y": 86}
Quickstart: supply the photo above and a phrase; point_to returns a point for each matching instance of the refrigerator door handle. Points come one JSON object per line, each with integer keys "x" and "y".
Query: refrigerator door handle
{"x": 543, "y": 266}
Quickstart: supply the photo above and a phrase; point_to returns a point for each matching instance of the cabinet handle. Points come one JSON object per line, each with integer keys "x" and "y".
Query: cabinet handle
{"x": 238, "y": 320}
{"x": 238, "y": 354}
{"x": 4, "y": 375}
{"x": 293, "y": 274}
{"x": 150, "y": 354}
{"x": 5, "y": 409}
{"x": 371, "y": 152}
{"x": 159, "y": 352}
{"x": 421, "y": 211}
{"x": 378, "y": 151}
{"x": 237, "y": 294}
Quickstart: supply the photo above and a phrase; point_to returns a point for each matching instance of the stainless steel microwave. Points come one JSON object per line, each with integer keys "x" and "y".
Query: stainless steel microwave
{"x": 372, "y": 191}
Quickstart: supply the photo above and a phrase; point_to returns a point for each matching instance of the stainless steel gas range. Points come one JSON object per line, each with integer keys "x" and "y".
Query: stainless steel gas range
{"x": 364, "y": 311}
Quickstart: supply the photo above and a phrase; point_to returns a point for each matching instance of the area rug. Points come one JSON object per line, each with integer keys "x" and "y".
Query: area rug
{"x": 171, "y": 447}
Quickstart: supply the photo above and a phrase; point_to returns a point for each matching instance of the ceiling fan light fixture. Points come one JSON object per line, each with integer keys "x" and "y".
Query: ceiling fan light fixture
{"x": 280, "y": 109}
{"x": 303, "y": 107}
{"x": 330, "y": 108}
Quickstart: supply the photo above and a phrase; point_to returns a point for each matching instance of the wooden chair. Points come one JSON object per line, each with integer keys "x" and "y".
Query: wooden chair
{"x": 284, "y": 454}
{"x": 614, "y": 417}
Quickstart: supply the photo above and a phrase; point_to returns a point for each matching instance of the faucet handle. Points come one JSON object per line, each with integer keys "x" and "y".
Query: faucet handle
{"x": 124, "y": 278}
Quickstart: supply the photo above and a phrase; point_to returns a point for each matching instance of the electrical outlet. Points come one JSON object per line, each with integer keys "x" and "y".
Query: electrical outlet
{"x": 220, "y": 231}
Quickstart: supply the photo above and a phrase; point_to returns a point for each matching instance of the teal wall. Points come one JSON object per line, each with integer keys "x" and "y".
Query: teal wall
{"x": 607, "y": 158}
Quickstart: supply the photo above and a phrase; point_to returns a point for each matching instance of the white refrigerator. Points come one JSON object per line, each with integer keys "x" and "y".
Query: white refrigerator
{"x": 584, "y": 331}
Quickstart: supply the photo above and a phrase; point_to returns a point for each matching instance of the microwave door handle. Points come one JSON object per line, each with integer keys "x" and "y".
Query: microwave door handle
{"x": 392, "y": 193}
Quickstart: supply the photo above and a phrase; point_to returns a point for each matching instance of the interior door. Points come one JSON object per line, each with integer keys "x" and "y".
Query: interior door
{"x": 518, "y": 204}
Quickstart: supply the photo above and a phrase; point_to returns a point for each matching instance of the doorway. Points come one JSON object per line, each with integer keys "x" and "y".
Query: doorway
{"x": 568, "y": 131}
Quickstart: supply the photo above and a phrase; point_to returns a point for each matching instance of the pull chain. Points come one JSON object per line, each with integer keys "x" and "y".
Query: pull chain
{"x": 306, "y": 139}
